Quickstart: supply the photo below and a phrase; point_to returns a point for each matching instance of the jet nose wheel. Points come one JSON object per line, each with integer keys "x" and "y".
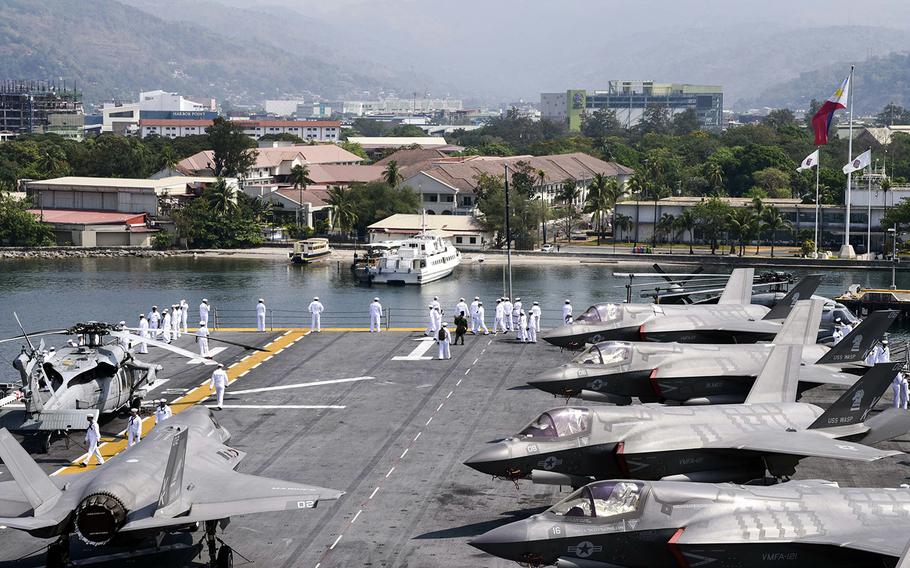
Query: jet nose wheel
{"x": 225, "y": 557}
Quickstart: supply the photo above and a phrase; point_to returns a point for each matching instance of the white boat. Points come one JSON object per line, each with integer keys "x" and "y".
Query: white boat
{"x": 309, "y": 250}
{"x": 423, "y": 258}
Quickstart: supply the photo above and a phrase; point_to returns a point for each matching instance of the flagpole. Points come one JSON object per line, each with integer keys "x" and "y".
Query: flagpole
{"x": 850, "y": 159}
{"x": 869, "y": 212}
{"x": 817, "y": 168}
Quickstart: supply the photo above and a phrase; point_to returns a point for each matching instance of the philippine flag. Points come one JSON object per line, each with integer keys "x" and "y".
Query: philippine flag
{"x": 821, "y": 122}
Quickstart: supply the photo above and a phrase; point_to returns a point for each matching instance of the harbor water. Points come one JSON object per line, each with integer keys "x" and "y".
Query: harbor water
{"x": 51, "y": 294}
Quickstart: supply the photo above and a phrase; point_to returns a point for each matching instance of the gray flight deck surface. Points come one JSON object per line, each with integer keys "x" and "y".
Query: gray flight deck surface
{"x": 396, "y": 448}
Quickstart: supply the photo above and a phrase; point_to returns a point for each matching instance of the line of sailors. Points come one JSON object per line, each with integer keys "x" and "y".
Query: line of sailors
{"x": 509, "y": 316}
{"x": 167, "y": 325}
{"x": 881, "y": 353}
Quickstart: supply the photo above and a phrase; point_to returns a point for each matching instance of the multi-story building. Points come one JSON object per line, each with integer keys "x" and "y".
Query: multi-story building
{"x": 629, "y": 99}
{"x": 390, "y": 106}
{"x": 26, "y": 106}
{"x": 123, "y": 118}
{"x": 284, "y": 107}
{"x": 308, "y": 130}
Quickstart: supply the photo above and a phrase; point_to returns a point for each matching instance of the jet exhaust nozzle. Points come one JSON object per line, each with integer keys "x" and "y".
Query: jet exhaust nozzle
{"x": 98, "y": 518}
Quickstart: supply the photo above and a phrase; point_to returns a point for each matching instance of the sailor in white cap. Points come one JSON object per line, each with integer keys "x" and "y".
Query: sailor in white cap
{"x": 204, "y": 310}
{"x": 474, "y": 325}
{"x": 144, "y": 334}
{"x": 838, "y": 332}
{"x": 176, "y": 318}
{"x": 134, "y": 427}
{"x": 516, "y": 310}
{"x": 433, "y": 321}
{"x": 480, "y": 317}
{"x": 154, "y": 318}
{"x": 533, "y": 324}
{"x": 184, "y": 315}
{"x": 535, "y": 314}
{"x": 498, "y": 323}
{"x": 884, "y": 356}
{"x": 124, "y": 341}
{"x": 218, "y": 383}
{"x": 92, "y": 439}
{"x": 202, "y": 339}
{"x": 461, "y": 306}
{"x": 375, "y": 316}
{"x": 435, "y": 303}
{"x": 567, "y": 312}
{"x": 316, "y": 308}
{"x": 166, "y": 325}
{"x": 444, "y": 338}
{"x": 260, "y": 315}
{"x": 507, "y": 314}
{"x": 163, "y": 411}
{"x": 522, "y": 327}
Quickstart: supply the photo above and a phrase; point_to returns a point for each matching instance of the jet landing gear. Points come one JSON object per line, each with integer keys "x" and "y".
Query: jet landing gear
{"x": 222, "y": 557}
{"x": 58, "y": 554}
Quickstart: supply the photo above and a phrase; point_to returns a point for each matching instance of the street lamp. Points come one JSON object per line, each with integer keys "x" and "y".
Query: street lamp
{"x": 893, "y": 234}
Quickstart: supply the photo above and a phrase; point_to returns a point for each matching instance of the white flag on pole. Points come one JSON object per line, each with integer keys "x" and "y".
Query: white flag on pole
{"x": 859, "y": 162}
{"x": 809, "y": 162}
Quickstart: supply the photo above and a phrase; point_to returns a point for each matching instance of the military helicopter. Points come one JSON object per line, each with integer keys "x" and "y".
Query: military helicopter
{"x": 61, "y": 387}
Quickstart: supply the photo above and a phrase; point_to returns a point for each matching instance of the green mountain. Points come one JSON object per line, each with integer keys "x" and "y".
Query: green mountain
{"x": 877, "y": 82}
{"x": 113, "y": 51}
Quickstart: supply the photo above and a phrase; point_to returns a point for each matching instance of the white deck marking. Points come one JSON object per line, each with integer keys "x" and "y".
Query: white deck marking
{"x": 475, "y": 361}
{"x": 468, "y": 371}
{"x": 158, "y": 384}
{"x": 403, "y": 454}
{"x": 458, "y": 383}
{"x": 417, "y": 436}
{"x": 304, "y": 385}
{"x": 212, "y": 353}
{"x": 357, "y": 515}
{"x": 438, "y": 408}
{"x": 337, "y": 540}
{"x": 373, "y": 494}
{"x": 416, "y": 354}
{"x": 428, "y": 421}
{"x": 390, "y": 472}
{"x": 279, "y": 406}
{"x": 450, "y": 394}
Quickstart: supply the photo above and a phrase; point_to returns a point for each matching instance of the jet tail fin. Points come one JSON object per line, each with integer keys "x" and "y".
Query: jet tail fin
{"x": 34, "y": 483}
{"x": 801, "y": 326}
{"x": 854, "y": 405}
{"x": 170, "y": 499}
{"x": 857, "y": 344}
{"x": 802, "y": 291}
{"x": 779, "y": 378}
{"x": 739, "y": 287}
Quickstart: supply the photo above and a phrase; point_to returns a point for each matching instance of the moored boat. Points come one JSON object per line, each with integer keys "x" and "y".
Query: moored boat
{"x": 310, "y": 250}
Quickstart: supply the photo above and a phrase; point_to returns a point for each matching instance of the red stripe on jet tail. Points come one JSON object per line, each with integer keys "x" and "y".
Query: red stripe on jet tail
{"x": 641, "y": 333}
{"x": 674, "y": 549}
{"x": 652, "y": 378}
{"x": 620, "y": 459}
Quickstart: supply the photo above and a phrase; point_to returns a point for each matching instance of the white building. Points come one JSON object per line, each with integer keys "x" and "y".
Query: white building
{"x": 123, "y": 118}
{"x": 172, "y": 102}
{"x": 274, "y": 165}
{"x": 307, "y": 130}
{"x": 172, "y": 128}
{"x": 283, "y": 107}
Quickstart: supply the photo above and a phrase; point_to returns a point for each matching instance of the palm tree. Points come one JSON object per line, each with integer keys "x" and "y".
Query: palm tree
{"x": 773, "y": 221}
{"x": 742, "y": 223}
{"x": 639, "y": 185}
{"x": 392, "y": 174}
{"x": 758, "y": 207}
{"x": 598, "y": 202}
{"x": 688, "y": 221}
{"x": 222, "y": 198}
{"x": 343, "y": 210}
{"x": 300, "y": 175}
{"x": 622, "y": 223}
{"x": 714, "y": 173}
{"x": 666, "y": 226}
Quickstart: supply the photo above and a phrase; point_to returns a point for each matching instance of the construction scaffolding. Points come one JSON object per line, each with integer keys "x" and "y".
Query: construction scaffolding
{"x": 26, "y": 107}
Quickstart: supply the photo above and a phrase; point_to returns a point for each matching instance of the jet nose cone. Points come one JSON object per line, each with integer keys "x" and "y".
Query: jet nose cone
{"x": 492, "y": 460}
{"x": 560, "y": 336}
{"x": 508, "y": 541}
{"x": 557, "y": 381}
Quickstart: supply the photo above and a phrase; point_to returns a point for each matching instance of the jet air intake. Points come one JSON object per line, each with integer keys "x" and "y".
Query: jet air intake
{"x": 98, "y": 518}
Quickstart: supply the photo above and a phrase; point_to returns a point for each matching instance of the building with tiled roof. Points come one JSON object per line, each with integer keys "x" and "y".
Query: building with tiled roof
{"x": 447, "y": 186}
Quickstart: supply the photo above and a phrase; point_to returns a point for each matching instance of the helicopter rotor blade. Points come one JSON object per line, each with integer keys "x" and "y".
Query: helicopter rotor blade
{"x": 22, "y": 329}
{"x": 35, "y": 334}
{"x": 166, "y": 346}
{"x": 236, "y": 344}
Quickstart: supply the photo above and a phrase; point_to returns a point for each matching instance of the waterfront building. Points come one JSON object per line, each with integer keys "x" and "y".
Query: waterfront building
{"x": 26, "y": 107}
{"x": 629, "y": 99}
{"x": 307, "y": 130}
{"x": 466, "y": 233}
{"x": 447, "y": 185}
{"x": 97, "y": 228}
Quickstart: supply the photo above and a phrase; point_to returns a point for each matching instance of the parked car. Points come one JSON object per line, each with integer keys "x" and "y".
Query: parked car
{"x": 546, "y": 248}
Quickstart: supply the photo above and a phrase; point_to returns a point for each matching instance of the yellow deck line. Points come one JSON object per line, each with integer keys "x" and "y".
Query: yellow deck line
{"x": 306, "y": 329}
{"x": 113, "y": 446}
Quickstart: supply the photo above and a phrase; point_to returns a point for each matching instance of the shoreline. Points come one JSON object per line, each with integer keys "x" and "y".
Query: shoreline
{"x": 495, "y": 257}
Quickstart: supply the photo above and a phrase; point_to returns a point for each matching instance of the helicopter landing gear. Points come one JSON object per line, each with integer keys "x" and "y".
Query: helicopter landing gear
{"x": 58, "y": 554}
{"x": 225, "y": 557}
{"x": 44, "y": 440}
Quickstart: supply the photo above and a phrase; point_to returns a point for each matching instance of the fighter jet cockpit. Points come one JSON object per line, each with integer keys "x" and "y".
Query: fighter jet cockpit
{"x": 605, "y": 353}
{"x": 604, "y": 500}
{"x": 559, "y": 423}
{"x": 600, "y": 313}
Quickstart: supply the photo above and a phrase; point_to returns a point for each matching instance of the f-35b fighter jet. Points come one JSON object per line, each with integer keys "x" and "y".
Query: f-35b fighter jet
{"x": 179, "y": 476}
{"x": 733, "y": 442}
{"x": 734, "y": 319}
{"x": 617, "y": 371}
{"x": 638, "y": 524}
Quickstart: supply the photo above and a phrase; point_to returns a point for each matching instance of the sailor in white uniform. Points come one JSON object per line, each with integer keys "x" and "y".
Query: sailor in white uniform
{"x": 507, "y": 314}
{"x": 154, "y": 318}
{"x": 474, "y": 324}
{"x": 432, "y": 322}
{"x": 444, "y": 338}
{"x": 204, "y": 310}
{"x": 522, "y": 327}
{"x": 316, "y": 308}
{"x": 218, "y": 383}
{"x": 163, "y": 412}
{"x": 184, "y": 315}
{"x": 260, "y": 315}
{"x": 134, "y": 427}
{"x": 144, "y": 334}
{"x": 461, "y": 306}
{"x": 516, "y": 310}
{"x": 92, "y": 439}
{"x": 176, "y": 317}
{"x": 375, "y": 316}
{"x": 480, "y": 317}
{"x": 533, "y": 325}
{"x": 535, "y": 311}
{"x": 567, "y": 312}
{"x": 202, "y": 339}
{"x": 166, "y": 325}
{"x": 499, "y": 323}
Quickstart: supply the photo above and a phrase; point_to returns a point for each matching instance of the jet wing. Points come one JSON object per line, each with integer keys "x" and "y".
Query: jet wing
{"x": 803, "y": 444}
{"x": 825, "y": 375}
{"x": 888, "y": 544}
{"x": 228, "y": 493}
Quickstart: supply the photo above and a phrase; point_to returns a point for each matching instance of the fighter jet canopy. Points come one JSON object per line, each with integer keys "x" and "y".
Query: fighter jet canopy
{"x": 602, "y": 500}
{"x": 559, "y": 423}
{"x": 605, "y": 353}
{"x": 600, "y": 313}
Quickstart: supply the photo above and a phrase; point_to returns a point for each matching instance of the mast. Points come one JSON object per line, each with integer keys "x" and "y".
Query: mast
{"x": 818, "y": 167}
{"x": 849, "y": 159}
